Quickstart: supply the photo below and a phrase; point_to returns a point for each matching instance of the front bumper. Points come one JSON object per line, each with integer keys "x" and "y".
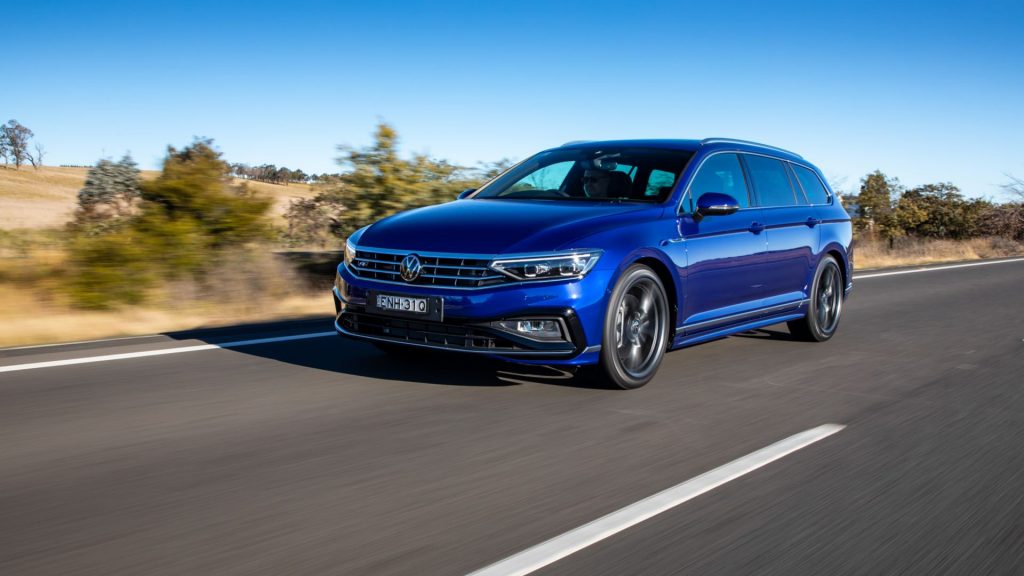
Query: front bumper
{"x": 467, "y": 314}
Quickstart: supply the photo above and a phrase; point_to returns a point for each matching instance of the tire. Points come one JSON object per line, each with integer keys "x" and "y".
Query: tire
{"x": 826, "y": 304}
{"x": 636, "y": 329}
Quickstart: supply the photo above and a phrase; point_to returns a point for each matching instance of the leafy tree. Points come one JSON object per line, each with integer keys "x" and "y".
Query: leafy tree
{"x": 111, "y": 190}
{"x": 16, "y": 137}
{"x": 948, "y": 213}
{"x": 195, "y": 185}
{"x": 875, "y": 201}
{"x": 377, "y": 182}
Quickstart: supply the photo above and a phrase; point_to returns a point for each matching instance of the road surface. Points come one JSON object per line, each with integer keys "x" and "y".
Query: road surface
{"x": 318, "y": 455}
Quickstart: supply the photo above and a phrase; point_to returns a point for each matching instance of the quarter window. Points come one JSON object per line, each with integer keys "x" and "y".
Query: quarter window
{"x": 770, "y": 181}
{"x": 720, "y": 173}
{"x": 815, "y": 190}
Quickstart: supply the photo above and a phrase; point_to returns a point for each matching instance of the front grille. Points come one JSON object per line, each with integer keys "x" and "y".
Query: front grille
{"x": 454, "y": 336}
{"x": 437, "y": 271}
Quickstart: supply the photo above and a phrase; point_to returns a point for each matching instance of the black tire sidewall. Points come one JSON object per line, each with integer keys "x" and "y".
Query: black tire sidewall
{"x": 609, "y": 362}
{"x": 812, "y": 309}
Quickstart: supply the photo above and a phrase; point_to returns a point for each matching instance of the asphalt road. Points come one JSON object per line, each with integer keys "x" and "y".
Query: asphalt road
{"x": 323, "y": 456}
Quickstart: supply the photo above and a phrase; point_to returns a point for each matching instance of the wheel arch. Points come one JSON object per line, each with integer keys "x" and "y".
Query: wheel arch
{"x": 664, "y": 271}
{"x": 844, "y": 265}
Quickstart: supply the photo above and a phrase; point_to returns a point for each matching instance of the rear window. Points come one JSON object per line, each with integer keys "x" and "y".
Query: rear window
{"x": 771, "y": 183}
{"x": 809, "y": 181}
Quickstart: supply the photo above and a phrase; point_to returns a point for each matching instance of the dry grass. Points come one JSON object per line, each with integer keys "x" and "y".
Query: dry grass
{"x": 918, "y": 251}
{"x": 45, "y": 198}
{"x": 30, "y": 318}
{"x": 246, "y": 286}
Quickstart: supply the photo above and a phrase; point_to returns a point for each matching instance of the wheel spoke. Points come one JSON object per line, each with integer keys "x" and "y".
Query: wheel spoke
{"x": 646, "y": 302}
{"x": 634, "y": 356}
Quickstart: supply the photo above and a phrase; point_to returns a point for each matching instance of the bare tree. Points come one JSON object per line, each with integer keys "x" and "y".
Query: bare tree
{"x": 1015, "y": 186}
{"x": 16, "y": 138}
{"x": 40, "y": 153}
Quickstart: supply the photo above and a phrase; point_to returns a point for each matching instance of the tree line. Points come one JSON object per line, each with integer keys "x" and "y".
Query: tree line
{"x": 275, "y": 174}
{"x": 885, "y": 209}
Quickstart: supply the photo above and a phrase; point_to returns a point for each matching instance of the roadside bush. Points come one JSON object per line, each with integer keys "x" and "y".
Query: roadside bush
{"x": 187, "y": 218}
{"x": 1005, "y": 220}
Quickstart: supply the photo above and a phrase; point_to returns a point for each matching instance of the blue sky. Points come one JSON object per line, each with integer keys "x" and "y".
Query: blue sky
{"x": 926, "y": 91}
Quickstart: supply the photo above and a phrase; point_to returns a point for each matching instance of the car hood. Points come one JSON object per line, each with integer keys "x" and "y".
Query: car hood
{"x": 499, "y": 226}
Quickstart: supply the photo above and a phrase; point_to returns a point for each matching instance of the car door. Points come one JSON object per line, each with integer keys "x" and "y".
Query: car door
{"x": 725, "y": 254}
{"x": 791, "y": 230}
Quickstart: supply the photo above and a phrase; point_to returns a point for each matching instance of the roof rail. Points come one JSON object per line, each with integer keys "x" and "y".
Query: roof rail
{"x": 571, "y": 142}
{"x": 747, "y": 142}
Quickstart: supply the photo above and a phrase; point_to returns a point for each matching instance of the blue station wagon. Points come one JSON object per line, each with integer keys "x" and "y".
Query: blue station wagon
{"x": 605, "y": 255}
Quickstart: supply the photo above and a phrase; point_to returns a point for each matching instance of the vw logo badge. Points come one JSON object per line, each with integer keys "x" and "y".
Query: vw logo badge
{"x": 410, "y": 268}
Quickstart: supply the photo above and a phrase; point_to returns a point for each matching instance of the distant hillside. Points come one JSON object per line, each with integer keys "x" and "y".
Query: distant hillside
{"x": 45, "y": 198}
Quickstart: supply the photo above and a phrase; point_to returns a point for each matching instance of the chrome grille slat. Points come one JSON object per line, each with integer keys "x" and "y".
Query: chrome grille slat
{"x": 446, "y": 277}
{"x": 437, "y": 270}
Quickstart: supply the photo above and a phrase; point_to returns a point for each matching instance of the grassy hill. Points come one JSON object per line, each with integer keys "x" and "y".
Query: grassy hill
{"x": 45, "y": 198}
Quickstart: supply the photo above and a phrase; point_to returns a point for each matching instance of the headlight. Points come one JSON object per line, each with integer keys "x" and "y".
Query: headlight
{"x": 571, "y": 265}
{"x": 350, "y": 253}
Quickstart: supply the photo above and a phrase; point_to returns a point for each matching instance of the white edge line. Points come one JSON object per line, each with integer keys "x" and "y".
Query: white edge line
{"x": 574, "y": 540}
{"x": 77, "y": 342}
{"x": 931, "y": 268}
{"x": 161, "y": 352}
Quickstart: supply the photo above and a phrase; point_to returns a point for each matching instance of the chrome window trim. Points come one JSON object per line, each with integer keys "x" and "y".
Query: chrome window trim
{"x": 686, "y": 191}
{"x": 748, "y": 143}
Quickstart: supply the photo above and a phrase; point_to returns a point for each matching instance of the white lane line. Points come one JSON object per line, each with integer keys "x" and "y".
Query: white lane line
{"x": 575, "y": 540}
{"x": 949, "y": 267}
{"x": 162, "y": 351}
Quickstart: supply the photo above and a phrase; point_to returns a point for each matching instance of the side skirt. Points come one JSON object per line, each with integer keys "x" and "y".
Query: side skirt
{"x": 683, "y": 341}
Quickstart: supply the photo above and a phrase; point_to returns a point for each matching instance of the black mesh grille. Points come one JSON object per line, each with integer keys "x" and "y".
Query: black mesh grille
{"x": 455, "y": 336}
{"x": 436, "y": 271}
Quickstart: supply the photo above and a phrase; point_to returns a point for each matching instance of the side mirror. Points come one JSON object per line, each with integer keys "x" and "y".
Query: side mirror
{"x": 716, "y": 204}
{"x": 465, "y": 193}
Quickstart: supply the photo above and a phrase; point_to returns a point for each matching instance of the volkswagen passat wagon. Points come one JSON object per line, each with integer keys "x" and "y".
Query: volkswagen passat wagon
{"x": 605, "y": 255}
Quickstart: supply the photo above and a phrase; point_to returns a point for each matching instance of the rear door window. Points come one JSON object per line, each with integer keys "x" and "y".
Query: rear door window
{"x": 809, "y": 181}
{"x": 771, "y": 183}
{"x": 720, "y": 173}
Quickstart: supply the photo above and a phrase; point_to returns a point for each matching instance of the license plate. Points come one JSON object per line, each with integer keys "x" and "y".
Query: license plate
{"x": 391, "y": 303}
{"x": 428, "y": 308}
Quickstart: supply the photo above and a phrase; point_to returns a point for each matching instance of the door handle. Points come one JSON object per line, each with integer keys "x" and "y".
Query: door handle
{"x": 756, "y": 227}
{"x": 812, "y": 222}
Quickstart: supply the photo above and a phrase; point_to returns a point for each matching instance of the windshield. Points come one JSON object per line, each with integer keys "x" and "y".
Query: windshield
{"x": 606, "y": 174}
